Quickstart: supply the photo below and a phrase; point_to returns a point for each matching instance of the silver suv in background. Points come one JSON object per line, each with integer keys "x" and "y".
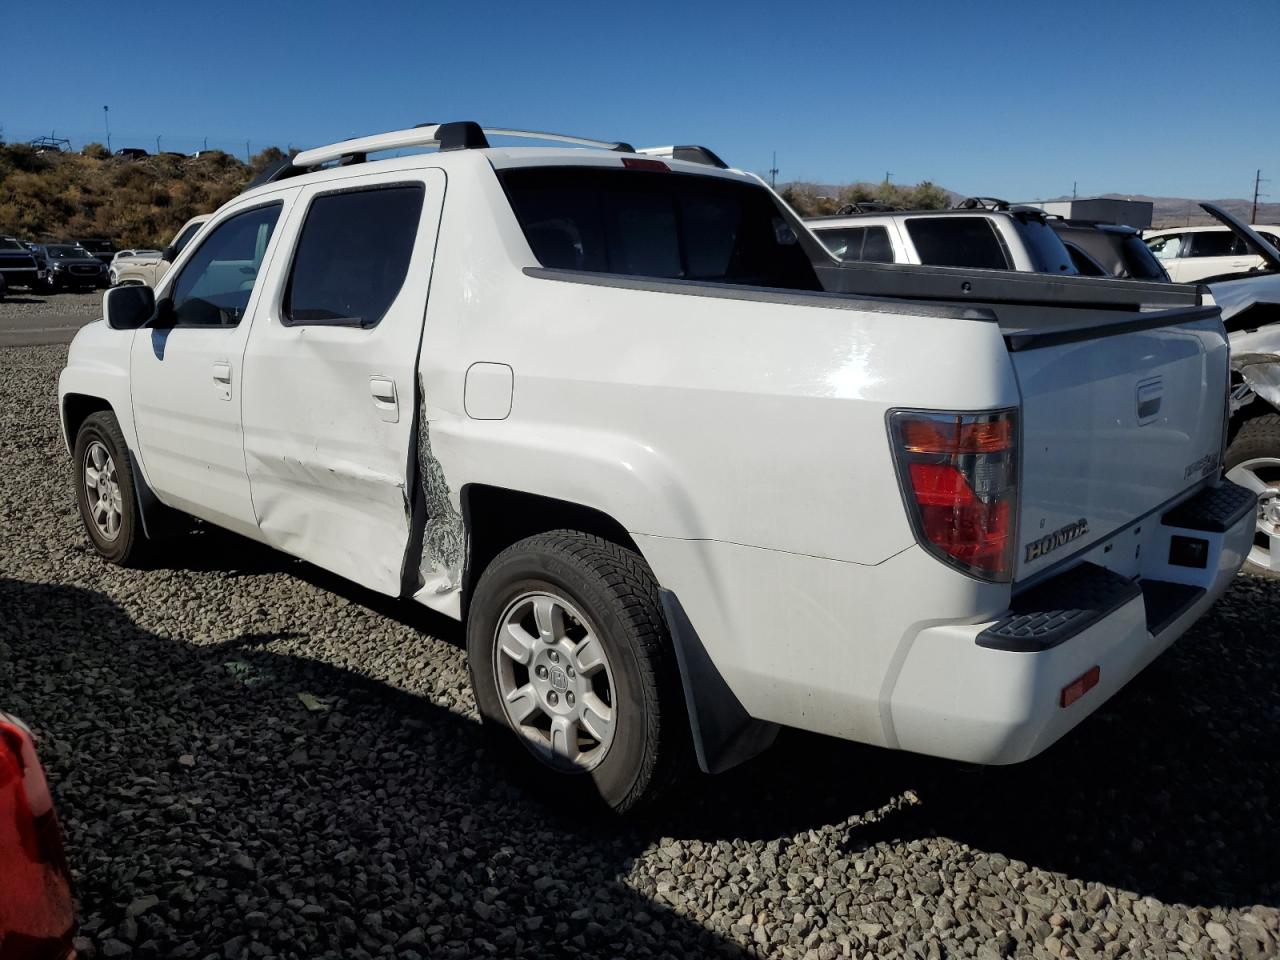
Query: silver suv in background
{"x": 990, "y": 237}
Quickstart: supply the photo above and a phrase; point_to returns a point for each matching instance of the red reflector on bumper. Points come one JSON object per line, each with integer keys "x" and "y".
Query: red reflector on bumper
{"x": 1077, "y": 688}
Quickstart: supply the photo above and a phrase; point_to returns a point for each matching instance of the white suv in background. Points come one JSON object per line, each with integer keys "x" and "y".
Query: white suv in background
{"x": 991, "y": 239}
{"x": 1191, "y": 254}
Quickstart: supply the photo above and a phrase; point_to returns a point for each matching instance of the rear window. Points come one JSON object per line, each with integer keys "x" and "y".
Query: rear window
{"x": 958, "y": 242}
{"x": 1140, "y": 261}
{"x": 867, "y": 244}
{"x": 7, "y": 244}
{"x": 1047, "y": 251}
{"x": 1085, "y": 265}
{"x": 662, "y": 225}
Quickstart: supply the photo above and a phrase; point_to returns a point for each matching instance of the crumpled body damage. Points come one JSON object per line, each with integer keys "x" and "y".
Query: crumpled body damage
{"x": 443, "y": 535}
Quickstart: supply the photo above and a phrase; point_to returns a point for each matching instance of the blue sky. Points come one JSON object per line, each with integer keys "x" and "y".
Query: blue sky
{"x": 1012, "y": 99}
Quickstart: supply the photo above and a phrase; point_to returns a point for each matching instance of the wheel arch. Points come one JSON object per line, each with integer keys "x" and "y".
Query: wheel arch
{"x": 495, "y": 517}
{"x": 75, "y": 409}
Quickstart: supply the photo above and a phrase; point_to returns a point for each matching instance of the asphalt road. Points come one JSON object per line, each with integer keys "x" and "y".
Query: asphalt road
{"x": 32, "y": 319}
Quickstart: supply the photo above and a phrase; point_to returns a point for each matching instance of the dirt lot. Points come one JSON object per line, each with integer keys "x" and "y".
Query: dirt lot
{"x": 213, "y": 812}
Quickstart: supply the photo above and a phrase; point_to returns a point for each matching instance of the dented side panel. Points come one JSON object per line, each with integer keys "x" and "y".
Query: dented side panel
{"x": 330, "y": 412}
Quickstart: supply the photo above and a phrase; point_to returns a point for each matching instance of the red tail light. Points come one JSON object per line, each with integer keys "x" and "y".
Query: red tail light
{"x": 36, "y": 913}
{"x": 959, "y": 476}
{"x": 645, "y": 163}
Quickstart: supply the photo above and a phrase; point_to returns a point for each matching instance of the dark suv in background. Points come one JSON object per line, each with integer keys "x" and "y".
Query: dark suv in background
{"x": 104, "y": 250}
{"x": 18, "y": 265}
{"x": 71, "y": 267}
{"x": 1108, "y": 250}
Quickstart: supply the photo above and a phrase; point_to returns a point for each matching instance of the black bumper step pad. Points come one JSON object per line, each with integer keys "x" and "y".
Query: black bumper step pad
{"x": 1213, "y": 510}
{"x": 1055, "y": 611}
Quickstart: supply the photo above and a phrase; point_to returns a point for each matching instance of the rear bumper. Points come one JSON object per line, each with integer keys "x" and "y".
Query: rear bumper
{"x": 991, "y": 692}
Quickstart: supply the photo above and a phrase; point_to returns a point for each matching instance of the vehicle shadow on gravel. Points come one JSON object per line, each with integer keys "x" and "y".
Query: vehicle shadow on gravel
{"x": 1165, "y": 791}
{"x": 1168, "y": 790}
{"x": 344, "y": 822}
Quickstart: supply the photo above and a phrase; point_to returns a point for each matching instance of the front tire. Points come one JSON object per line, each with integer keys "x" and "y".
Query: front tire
{"x": 105, "y": 490}
{"x": 1253, "y": 461}
{"x": 574, "y": 672}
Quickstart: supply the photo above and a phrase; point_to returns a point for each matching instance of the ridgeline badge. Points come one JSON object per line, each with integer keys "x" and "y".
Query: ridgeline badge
{"x": 1052, "y": 541}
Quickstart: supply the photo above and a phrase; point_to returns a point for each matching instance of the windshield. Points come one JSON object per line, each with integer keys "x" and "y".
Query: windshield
{"x": 98, "y": 246}
{"x": 661, "y": 225}
{"x": 185, "y": 236}
{"x": 7, "y": 244}
{"x": 64, "y": 252}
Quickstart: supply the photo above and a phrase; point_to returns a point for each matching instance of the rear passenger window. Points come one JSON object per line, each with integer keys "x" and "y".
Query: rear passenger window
{"x": 859, "y": 243}
{"x": 352, "y": 257}
{"x": 1217, "y": 243}
{"x": 958, "y": 242}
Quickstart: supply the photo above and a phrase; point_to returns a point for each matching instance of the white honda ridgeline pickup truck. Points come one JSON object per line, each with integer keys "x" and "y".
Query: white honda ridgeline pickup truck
{"x": 685, "y": 476}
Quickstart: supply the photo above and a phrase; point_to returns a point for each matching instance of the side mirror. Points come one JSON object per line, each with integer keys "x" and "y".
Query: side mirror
{"x": 128, "y": 307}
{"x": 170, "y": 254}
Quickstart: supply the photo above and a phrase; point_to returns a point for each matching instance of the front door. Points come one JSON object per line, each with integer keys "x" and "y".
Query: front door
{"x": 186, "y": 378}
{"x": 330, "y": 374}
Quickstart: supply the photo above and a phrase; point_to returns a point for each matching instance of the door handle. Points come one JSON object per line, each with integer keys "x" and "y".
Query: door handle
{"x": 385, "y": 398}
{"x": 222, "y": 379}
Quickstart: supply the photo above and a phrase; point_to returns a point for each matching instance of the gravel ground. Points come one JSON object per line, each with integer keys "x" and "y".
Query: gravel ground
{"x": 29, "y": 318}
{"x": 252, "y": 759}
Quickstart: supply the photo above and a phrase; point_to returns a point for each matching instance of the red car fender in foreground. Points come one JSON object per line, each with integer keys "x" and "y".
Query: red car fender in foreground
{"x": 37, "y": 918}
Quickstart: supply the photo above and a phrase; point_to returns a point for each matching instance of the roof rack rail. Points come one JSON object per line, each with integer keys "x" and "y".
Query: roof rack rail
{"x": 460, "y": 135}
{"x": 865, "y": 206}
{"x": 692, "y": 153}
{"x": 981, "y": 203}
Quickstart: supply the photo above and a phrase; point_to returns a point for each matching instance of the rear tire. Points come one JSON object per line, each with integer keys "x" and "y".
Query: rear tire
{"x": 105, "y": 491}
{"x": 1253, "y": 461}
{"x": 613, "y": 730}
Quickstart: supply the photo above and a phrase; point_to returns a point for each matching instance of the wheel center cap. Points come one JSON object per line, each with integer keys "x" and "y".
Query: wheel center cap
{"x": 559, "y": 681}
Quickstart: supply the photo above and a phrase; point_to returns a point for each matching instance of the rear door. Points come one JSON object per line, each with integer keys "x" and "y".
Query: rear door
{"x": 330, "y": 374}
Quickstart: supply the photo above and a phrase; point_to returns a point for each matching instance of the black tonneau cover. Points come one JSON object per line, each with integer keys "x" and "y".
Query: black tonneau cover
{"x": 967, "y": 285}
{"x": 1033, "y": 310}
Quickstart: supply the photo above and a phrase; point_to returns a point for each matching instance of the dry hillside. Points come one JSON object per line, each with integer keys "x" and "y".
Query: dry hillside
{"x": 135, "y": 203}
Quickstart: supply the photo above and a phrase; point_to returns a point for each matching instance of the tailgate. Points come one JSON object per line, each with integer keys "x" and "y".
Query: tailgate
{"x": 1117, "y": 421}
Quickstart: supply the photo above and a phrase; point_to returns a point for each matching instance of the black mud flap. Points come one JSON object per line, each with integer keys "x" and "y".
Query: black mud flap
{"x": 724, "y": 734}
{"x": 158, "y": 521}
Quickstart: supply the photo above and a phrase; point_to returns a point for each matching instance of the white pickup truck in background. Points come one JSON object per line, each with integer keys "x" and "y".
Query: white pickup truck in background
{"x": 149, "y": 267}
{"x": 685, "y": 476}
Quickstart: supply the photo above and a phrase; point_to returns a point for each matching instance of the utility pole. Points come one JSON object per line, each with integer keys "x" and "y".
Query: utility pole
{"x": 106, "y": 119}
{"x": 887, "y": 175}
{"x": 206, "y": 143}
{"x": 773, "y": 171}
{"x": 246, "y": 151}
{"x": 157, "y": 144}
{"x": 1258, "y": 181}
{"x": 1073, "y": 189}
